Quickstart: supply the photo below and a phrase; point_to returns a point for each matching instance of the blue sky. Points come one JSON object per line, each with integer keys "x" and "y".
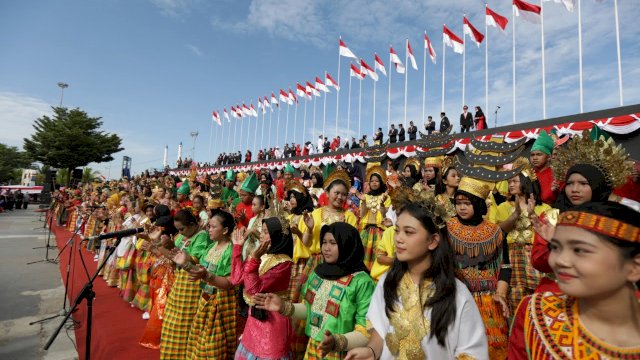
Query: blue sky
{"x": 155, "y": 70}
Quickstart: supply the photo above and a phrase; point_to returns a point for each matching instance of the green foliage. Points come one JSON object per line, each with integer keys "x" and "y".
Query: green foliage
{"x": 88, "y": 175}
{"x": 63, "y": 176}
{"x": 71, "y": 139}
{"x": 11, "y": 162}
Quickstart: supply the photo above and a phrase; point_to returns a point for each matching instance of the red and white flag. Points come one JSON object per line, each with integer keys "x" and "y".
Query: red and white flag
{"x": 379, "y": 65}
{"x": 246, "y": 110}
{"x": 470, "y": 30}
{"x": 355, "y": 72}
{"x": 320, "y": 85}
{"x": 265, "y": 103}
{"x": 412, "y": 58}
{"x": 274, "y": 100}
{"x": 568, "y": 4}
{"x": 284, "y": 97}
{"x": 452, "y": 40}
{"x": 254, "y": 113}
{"x": 234, "y": 112}
{"x": 366, "y": 69}
{"x": 430, "y": 50}
{"x": 301, "y": 91}
{"x": 396, "y": 60}
{"x": 495, "y": 19}
{"x": 312, "y": 90}
{"x": 239, "y": 111}
{"x": 226, "y": 115}
{"x": 344, "y": 50}
{"x": 529, "y": 12}
{"x": 292, "y": 98}
{"x": 216, "y": 118}
{"x": 330, "y": 82}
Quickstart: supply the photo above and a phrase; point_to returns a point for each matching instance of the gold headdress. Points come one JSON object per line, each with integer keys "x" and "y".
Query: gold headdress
{"x": 601, "y": 153}
{"x": 378, "y": 170}
{"x": 435, "y": 161}
{"x": 338, "y": 175}
{"x": 527, "y": 169}
{"x": 278, "y": 210}
{"x": 447, "y": 163}
{"x": 293, "y": 185}
{"x": 413, "y": 162}
{"x": 426, "y": 200}
{"x": 479, "y": 188}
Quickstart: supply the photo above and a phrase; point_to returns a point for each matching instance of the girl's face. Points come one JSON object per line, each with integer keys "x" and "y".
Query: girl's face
{"x": 453, "y": 178}
{"x": 406, "y": 172}
{"x": 185, "y": 230}
{"x": 429, "y": 173}
{"x": 374, "y": 183}
{"x": 197, "y": 204}
{"x": 413, "y": 242}
{"x": 256, "y": 206}
{"x": 216, "y": 231}
{"x": 464, "y": 208}
{"x": 314, "y": 180}
{"x": 149, "y": 212}
{"x": 514, "y": 186}
{"x": 337, "y": 196}
{"x": 577, "y": 189}
{"x": 292, "y": 202}
{"x": 264, "y": 234}
{"x": 587, "y": 265}
{"x": 329, "y": 249}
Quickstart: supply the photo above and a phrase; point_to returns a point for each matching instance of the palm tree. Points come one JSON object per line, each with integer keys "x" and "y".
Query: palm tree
{"x": 88, "y": 175}
{"x": 62, "y": 177}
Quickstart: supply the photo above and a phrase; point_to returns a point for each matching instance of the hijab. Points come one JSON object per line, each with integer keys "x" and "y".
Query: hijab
{"x": 319, "y": 180}
{"x": 600, "y": 189}
{"x": 381, "y": 190}
{"x": 479, "y": 209}
{"x": 303, "y": 202}
{"x": 162, "y": 210}
{"x": 350, "y": 252}
{"x": 280, "y": 243}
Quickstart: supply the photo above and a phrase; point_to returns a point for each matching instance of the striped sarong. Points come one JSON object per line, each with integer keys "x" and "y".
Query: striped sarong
{"x": 213, "y": 333}
{"x": 182, "y": 305}
{"x": 313, "y": 353}
{"x": 370, "y": 237}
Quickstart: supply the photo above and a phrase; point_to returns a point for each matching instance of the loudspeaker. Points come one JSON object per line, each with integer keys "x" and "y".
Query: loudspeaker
{"x": 76, "y": 174}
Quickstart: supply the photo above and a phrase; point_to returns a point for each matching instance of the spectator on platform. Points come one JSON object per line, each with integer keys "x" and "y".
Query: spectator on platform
{"x": 412, "y": 130}
{"x": 430, "y": 125}
{"x": 393, "y": 134}
{"x": 335, "y": 144}
{"x": 326, "y": 145}
{"x": 378, "y": 137}
{"x": 354, "y": 144}
{"x": 401, "y": 133}
{"x": 247, "y": 156}
{"x": 466, "y": 120}
{"x": 479, "y": 119}
{"x": 320, "y": 144}
{"x": 444, "y": 123}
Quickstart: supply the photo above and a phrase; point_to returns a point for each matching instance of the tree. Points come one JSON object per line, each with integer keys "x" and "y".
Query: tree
{"x": 88, "y": 175}
{"x": 71, "y": 139}
{"x": 12, "y": 161}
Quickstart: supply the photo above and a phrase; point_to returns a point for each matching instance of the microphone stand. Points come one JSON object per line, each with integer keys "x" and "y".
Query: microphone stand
{"x": 47, "y": 246}
{"x": 88, "y": 294}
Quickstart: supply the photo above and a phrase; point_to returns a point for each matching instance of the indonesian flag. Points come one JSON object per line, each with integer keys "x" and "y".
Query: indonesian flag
{"x": 379, "y": 65}
{"x": 216, "y": 118}
{"x": 246, "y": 110}
{"x": 321, "y": 86}
{"x": 355, "y": 72}
{"x": 261, "y": 106}
{"x": 312, "y": 90}
{"x": 452, "y": 40}
{"x": 226, "y": 115}
{"x": 414, "y": 65}
{"x": 495, "y": 19}
{"x": 470, "y": 30}
{"x": 274, "y": 100}
{"x": 300, "y": 90}
{"x": 331, "y": 82}
{"x": 254, "y": 113}
{"x": 265, "y": 103}
{"x": 239, "y": 111}
{"x": 396, "y": 60}
{"x": 233, "y": 112}
{"x": 284, "y": 97}
{"x": 427, "y": 45}
{"x": 529, "y": 12}
{"x": 366, "y": 69}
{"x": 568, "y": 4}
{"x": 344, "y": 50}
{"x": 292, "y": 98}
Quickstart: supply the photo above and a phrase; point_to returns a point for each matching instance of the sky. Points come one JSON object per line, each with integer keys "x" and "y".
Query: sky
{"x": 155, "y": 70}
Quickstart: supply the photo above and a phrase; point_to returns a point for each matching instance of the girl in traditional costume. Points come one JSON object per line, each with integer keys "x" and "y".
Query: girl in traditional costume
{"x": 185, "y": 295}
{"x": 267, "y": 334}
{"x": 336, "y": 296}
{"x": 299, "y": 201}
{"x": 411, "y": 172}
{"x": 317, "y": 187}
{"x": 142, "y": 267}
{"x": 430, "y": 174}
{"x": 373, "y": 207}
{"x": 419, "y": 309}
{"x": 595, "y": 255}
{"x": 482, "y": 259}
{"x": 446, "y": 188}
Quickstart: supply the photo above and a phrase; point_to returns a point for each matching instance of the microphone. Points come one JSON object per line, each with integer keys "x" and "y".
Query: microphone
{"x": 121, "y": 233}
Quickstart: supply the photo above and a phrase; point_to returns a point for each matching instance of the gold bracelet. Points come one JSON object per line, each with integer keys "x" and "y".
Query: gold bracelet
{"x": 340, "y": 342}
{"x": 287, "y": 309}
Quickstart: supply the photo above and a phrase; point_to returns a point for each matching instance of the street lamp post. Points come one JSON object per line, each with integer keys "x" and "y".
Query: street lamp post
{"x": 62, "y": 86}
{"x": 194, "y": 135}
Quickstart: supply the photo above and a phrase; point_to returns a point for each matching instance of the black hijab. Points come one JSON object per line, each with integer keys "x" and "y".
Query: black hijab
{"x": 162, "y": 210}
{"x": 415, "y": 176}
{"x": 479, "y": 208}
{"x": 280, "y": 243}
{"x": 350, "y": 252}
{"x": 319, "y": 180}
{"x": 303, "y": 202}
{"x": 600, "y": 189}
{"x": 381, "y": 190}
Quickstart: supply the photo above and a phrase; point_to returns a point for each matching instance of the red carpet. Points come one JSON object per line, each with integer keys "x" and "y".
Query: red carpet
{"x": 117, "y": 326}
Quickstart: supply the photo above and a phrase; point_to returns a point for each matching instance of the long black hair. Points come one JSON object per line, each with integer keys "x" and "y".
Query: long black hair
{"x": 319, "y": 180}
{"x": 441, "y": 187}
{"x": 380, "y": 190}
{"x": 528, "y": 187}
{"x": 441, "y": 271}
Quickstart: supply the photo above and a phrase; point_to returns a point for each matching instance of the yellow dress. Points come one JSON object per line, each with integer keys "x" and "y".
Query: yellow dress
{"x": 386, "y": 245}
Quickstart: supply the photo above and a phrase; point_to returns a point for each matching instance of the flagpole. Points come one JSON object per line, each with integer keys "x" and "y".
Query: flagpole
{"x": 359, "y": 108}
{"x": 249, "y": 126}
{"x": 373, "y": 129}
{"x": 424, "y": 76}
{"x": 338, "y": 92}
{"x": 444, "y": 59}
{"x": 389, "y": 100}
{"x": 544, "y": 82}
{"x": 615, "y": 8}
{"x": 255, "y": 133}
{"x": 486, "y": 61}
{"x": 235, "y": 133}
{"x": 406, "y": 77}
{"x": 324, "y": 109}
{"x": 513, "y": 60}
{"x": 464, "y": 60}
{"x": 313, "y": 131}
{"x": 349, "y": 105}
{"x": 241, "y": 132}
{"x": 295, "y": 121}
{"x": 304, "y": 120}
{"x": 580, "y": 54}
{"x": 210, "y": 138}
{"x": 286, "y": 131}
{"x": 270, "y": 126}
{"x": 262, "y": 136}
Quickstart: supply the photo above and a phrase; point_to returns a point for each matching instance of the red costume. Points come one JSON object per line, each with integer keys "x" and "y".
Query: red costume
{"x": 242, "y": 208}
{"x": 545, "y": 179}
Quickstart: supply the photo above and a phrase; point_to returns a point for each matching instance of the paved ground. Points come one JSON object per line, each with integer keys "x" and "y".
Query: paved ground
{"x": 29, "y": 292}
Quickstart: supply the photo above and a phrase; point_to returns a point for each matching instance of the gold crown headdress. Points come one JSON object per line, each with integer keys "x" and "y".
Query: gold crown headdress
{"x": 378, "y": 170}
{"x": 338, "y": 175}
{"x": 413, "y": 162}
{"x": 476, "y": 187}
{"x": 426, "y": 200}
{"x": 447, "y": 163}
{"x": 435, "y": 161}
{"x": 527, "y": 168}
{"x": 601, "y": 153}
{"x": 294, "y": 185}
{"x": 278, "y": 210}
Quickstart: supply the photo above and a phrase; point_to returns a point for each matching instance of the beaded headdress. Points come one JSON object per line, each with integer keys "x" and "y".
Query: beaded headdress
{"x": 610, "y": 159}
{"x": 601, "y": 224}
{"x": 293, "y": 185}
{"x": 338, "y": 175}
{"x": 413, "y": 162}
{"x": 376, "y": 169}
{"x": 426, "y": 200}
{"x": 527, "y": 169}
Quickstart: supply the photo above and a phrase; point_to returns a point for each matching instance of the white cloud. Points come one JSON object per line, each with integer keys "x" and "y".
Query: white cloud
{"x": 17, "y": 114}
{"x": 194, "y": 49}
{"x": 174, "y": 8}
